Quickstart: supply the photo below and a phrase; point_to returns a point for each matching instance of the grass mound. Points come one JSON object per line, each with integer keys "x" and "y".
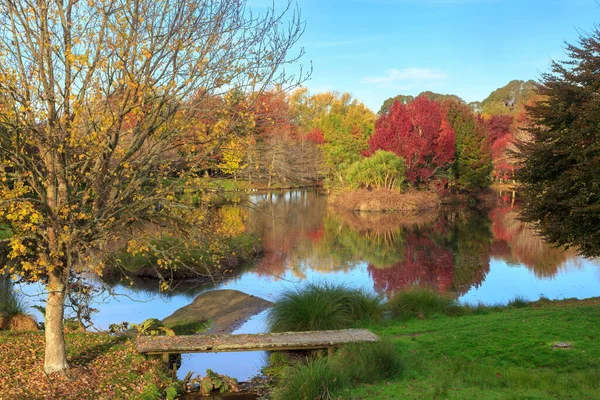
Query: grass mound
{"x": 423, "y": 303}
{"x": 13, "y": 310}
{"x": 323, "y": 306}
{"x": 324, "y": 378}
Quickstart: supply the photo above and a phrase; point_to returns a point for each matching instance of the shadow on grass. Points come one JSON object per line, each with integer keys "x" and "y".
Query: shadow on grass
{"x": 90, "y": 353}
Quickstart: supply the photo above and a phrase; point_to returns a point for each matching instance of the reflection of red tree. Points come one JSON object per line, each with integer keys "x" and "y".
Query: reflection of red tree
{"x": 425, "y": 263}
{"x": 316, "y": 235}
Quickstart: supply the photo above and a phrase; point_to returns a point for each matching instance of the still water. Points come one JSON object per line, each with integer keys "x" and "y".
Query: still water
{"x": 480, "y": 255}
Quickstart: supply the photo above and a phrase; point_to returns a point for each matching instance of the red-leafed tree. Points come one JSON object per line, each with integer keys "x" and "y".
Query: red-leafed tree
{"x": 500, "y": 139}
{"x": 315, "y": 136}
{"x": 418, "y": 132}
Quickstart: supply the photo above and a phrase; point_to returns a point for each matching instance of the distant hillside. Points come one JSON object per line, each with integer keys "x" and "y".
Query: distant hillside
{"x": 405, "y": 99}
{"x": 507, "y": 99}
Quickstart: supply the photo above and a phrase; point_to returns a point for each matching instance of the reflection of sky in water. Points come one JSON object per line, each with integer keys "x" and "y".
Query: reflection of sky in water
{"x": 446, "y": 255}
{"x": 505, "y": 281}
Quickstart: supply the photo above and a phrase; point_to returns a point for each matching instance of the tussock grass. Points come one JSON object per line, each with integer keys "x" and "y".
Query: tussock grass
{"x": 423, "y": 303}
{"x": 518, "y": 302}
{"x": 323, "y": 306}
{"x": 313, "y": 380}
{"x": 333, "y": 377}
{"x": 13, "y": 309}
{"x": 10, "y": 303}
{"x": 368, "y": 362}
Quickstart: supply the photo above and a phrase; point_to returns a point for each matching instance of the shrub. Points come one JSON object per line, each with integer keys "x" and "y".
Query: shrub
{"x": 383, "y": 169}
{"x": 422, "y": 303}
{"x": 313, "y": 380}
{"x": 368, "y": 362}
{"x": 324, "y": 378}
{"x": 323, "y": 306}
{"x": 518, "y": 302}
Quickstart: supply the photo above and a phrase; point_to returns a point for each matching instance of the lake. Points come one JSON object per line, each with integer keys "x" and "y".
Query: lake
{"x": 480, "y": 255}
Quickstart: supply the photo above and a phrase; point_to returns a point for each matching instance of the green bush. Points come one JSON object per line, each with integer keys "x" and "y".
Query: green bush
{"x": 323, "y": 306}
{"x": 422, "y": 303}
{"x": 383, "y": 169}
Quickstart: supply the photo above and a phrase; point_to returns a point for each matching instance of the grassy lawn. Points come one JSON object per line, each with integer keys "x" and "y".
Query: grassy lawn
{"x": 102, "y": 367}
{"x": 500, "y": 354}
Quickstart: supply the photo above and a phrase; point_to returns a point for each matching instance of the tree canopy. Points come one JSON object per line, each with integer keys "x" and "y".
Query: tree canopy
{"x": 560, "y": 162}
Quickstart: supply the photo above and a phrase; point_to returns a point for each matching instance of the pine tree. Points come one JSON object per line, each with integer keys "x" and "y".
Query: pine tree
{"x": 560, "y": 171}
{"x": 473, "y": 163}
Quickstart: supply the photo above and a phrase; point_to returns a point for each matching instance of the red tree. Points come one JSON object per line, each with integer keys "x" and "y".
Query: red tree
{"x": 419, "y": 133}
{"x": 316, "y": 136}
{"x": 273, "y": 116}
{"x": 500, "y": 138}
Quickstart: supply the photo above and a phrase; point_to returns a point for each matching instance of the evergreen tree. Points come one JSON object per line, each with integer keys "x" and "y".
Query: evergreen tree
{"x": 473, "y": 163}
{"x": 560, "y": 170}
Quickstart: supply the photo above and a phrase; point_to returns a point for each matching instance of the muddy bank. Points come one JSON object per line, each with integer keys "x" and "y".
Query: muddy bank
{"x": 227, "y": 310}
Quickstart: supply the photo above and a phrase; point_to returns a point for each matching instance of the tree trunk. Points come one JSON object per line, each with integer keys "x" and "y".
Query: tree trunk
{"x": 56, "y": 356}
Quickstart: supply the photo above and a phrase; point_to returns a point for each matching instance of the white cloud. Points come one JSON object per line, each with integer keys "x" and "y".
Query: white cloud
{"x": 406, "y": 77}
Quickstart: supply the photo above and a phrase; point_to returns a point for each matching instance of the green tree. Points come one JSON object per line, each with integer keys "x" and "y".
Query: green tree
{"x": 473, "y": 162}
{"x": 560, "y": 164}
{"x": 347, "y": 125}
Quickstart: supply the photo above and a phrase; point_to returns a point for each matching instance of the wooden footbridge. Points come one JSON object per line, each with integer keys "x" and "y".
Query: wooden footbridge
{"x": 165, "y": 345}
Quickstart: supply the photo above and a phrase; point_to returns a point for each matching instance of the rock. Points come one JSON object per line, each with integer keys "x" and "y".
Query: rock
{"x": 562, "y": 345}
{"x": 227, "y": 309}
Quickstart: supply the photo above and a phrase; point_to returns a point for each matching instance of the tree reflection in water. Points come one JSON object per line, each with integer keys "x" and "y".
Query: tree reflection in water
{"x": 448, "y": 249}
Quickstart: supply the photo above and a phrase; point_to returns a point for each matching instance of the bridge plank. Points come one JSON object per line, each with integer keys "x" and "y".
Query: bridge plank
{"x": 252, "y": 342}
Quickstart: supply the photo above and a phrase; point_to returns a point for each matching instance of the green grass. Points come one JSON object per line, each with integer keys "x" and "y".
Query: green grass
{"x": 496, "y": 353}
{"x": 323, "y": 306}
{"x": 334, "y": 377}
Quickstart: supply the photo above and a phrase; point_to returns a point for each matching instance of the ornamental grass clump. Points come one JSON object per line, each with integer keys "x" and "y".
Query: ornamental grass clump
{"x": 323, "y": 306}
{"x": 368, "y": 362}
{"x": 333, "y": 377}
{"x": 422, "y": 303}
{"x": 13, "y": 310}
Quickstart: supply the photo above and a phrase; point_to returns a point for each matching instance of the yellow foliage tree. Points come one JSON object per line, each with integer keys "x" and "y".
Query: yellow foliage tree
{"x": 97, "y": 99}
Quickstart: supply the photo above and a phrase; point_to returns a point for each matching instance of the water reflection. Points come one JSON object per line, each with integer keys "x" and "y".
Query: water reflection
{"x": 483, "y": 255}
{"x": 449, "y": 250}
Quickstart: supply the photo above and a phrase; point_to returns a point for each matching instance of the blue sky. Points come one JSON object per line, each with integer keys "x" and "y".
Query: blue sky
{"x": 377, "y": 49}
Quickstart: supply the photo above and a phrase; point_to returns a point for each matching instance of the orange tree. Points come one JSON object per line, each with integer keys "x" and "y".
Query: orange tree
{"x": 97, "y": 99}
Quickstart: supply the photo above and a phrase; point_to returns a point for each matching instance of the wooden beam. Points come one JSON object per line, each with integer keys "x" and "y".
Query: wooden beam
{"x": 253, "y": 342}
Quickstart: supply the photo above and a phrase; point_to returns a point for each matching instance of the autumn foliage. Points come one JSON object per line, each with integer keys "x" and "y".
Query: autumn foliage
{"x": 418, "y": 132}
